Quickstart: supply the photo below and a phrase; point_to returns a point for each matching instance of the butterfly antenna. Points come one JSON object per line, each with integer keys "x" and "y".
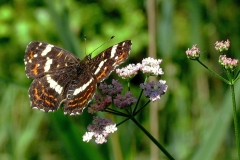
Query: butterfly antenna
{"x": 102, "y": 44}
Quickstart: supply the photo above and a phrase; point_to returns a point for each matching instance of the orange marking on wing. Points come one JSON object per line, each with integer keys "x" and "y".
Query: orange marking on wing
{"x": 48, "y": 102}
{"x": 36, "y": 94}
{"x": 31, "y": 55}
{"x": 39, "y": 98}
{"x": 35, "y": 72}
{"x": 72, "y": 105}
{"x": 120, "y": 59}
{"x": 48, "y": 95}
{"x": 103, "y": 73}
{"x": 85, "y": 97}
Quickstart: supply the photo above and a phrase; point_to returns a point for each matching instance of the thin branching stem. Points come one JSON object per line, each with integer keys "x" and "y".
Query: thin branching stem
{"x": 135, "y": 113}
{"x": 112, "y": 111}
{"x": 217, "y": 75}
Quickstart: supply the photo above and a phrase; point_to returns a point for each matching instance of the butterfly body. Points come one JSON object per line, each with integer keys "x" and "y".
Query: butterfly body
{"x": 59, "y": 76}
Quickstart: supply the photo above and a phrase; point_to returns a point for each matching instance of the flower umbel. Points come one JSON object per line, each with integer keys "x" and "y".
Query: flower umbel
{"x": 222, "y": 46}
{"x": 193, "y": 53}
{"x": 154, "y": 90}
{"x": 111, "y": 89}
{"x": 99, "y": 129}
{"x": 129, "y": 71}
{"x": 104, "y": 100}
{"x": 228, "y": 63}
{"x": 151, "y": 66}
{"x": 122, "y": 101}
{"x": 100, "y": 103}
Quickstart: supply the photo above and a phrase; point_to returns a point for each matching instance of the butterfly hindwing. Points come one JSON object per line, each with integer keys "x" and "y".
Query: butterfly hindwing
{"x": 46, "y": 93}
{"x": 43, "y": 97}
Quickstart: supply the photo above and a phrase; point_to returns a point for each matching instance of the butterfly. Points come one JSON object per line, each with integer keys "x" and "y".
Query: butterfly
{"x": 61, "y": 77}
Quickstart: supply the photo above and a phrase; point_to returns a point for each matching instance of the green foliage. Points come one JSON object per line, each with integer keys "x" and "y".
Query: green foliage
{"x": 195, "y": 116}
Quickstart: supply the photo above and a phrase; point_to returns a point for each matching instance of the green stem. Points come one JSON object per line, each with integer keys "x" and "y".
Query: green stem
{"x": 152, "y": 138}
{"x": 112, "y": 111}
{"x": 139, "y": 97}
{"x": 136, "y": 112}
{"x": 229, "y": 75}
{"x": 235, "y": 120}
{"x": 237, "y": 77}
{"x": 217, "y": 75}
{"x": 123, "y": 121}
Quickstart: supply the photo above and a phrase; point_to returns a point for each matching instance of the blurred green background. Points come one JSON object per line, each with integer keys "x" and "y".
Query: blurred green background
{"x": 194, "y": 117}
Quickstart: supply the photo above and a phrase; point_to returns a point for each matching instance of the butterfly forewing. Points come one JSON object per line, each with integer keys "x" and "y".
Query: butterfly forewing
{"x": 104, "y": 63}
{"x": 60, "y": 76}
{"x": 42, "y": 58}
